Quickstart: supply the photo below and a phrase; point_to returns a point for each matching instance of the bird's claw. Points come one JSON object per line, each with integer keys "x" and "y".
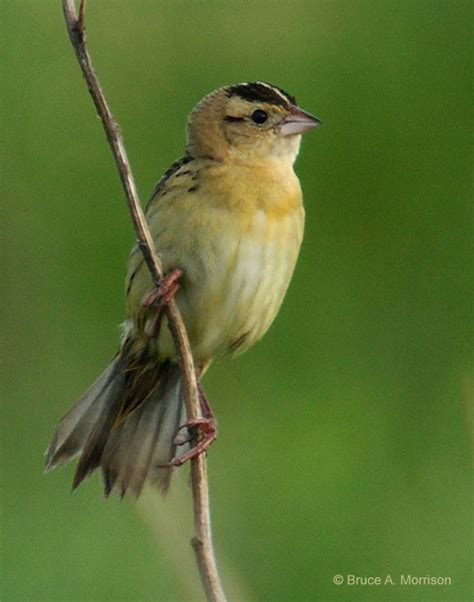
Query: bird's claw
{"x": 165, "y": 291}
{"x": 207, "y": 434}
{"x": 162, "y": 294}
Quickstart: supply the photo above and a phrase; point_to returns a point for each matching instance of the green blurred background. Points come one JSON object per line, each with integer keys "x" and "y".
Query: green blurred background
{"x": 345, "y": 435}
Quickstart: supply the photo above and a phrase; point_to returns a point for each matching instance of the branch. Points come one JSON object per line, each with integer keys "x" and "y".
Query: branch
{"x": 201, "y": 540}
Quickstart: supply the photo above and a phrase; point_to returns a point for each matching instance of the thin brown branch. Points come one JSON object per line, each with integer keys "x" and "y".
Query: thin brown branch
{"x": 201, "y": 540}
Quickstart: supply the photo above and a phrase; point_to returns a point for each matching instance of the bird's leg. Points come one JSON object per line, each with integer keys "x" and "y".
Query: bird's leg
{"x": 207, "y": 427}
{"x": 205, "y": 407}
{"x": 163, "y": 293}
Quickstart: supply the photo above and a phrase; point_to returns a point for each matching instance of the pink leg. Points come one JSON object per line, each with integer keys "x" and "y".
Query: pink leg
{"x": 207, "y": 431}
{"x": 162, "y": 294}
{"x": 205, "y": 407}
{"x": 165, "y": 291}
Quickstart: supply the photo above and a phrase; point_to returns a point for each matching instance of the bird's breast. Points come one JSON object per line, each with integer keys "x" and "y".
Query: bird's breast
{"x": 247, "y": 272}
{"x": 236, "y": 235}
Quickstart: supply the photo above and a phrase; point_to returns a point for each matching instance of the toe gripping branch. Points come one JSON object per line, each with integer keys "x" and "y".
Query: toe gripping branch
{"x": 204, "y": 432}
{"x": 161, "y": 296}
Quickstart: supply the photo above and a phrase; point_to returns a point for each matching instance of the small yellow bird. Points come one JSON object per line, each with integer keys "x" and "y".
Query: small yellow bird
{"x": 227, "y": 220}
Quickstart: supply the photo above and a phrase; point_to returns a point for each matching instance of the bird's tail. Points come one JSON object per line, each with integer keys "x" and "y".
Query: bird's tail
{"x": 125, "y": 423}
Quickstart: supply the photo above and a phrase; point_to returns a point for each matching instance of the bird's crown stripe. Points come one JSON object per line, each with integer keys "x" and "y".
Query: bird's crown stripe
{"x": 261, "y": 92}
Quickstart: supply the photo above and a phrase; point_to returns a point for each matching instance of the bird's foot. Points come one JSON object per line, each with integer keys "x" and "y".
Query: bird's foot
{"x": 165, "y": 291}
{"x": 208, "y": 432}
{"x": 207, "y": 429}
{"x": 161, "y": 295}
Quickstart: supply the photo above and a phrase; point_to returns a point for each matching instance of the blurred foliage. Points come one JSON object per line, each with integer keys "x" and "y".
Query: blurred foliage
{"x": 344, "y": 435}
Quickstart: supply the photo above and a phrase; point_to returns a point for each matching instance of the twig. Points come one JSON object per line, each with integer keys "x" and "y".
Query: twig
{"x": 201, "y": 540}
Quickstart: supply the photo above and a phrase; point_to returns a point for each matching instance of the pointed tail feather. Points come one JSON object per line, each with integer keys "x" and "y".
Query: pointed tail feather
{"x": 139, "y": 447}
{"x": 124, "y": 424}
{"x": 97, "y": 439}
{"x": 75, "y": 427}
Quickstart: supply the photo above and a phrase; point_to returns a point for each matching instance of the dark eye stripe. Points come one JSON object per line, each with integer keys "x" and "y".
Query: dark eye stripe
{"x": 231, "y": 118}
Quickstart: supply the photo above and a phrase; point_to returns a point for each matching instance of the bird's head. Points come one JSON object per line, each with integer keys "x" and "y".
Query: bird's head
{"x": 248, "y": 123}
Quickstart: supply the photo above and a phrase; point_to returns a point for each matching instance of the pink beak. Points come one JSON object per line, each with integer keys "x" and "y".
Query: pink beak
{"x": 297, "y": 122}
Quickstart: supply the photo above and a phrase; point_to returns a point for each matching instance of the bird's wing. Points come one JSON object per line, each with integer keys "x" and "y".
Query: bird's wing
{"x": 176, "y": 167}
{"x": 169, "y": 208}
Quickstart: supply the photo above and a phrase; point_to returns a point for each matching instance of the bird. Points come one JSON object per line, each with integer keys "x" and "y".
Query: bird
{"x": 227, "y": 220}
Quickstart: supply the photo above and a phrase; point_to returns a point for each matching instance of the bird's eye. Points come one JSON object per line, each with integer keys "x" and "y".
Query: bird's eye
{"x": 259, "y": 116}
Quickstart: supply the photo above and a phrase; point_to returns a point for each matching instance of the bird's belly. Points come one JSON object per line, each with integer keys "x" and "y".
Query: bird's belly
{"x": 243, "y": 286}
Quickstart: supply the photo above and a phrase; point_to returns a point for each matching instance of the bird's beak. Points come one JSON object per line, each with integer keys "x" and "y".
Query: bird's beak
{"x": 297, "y": 122}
